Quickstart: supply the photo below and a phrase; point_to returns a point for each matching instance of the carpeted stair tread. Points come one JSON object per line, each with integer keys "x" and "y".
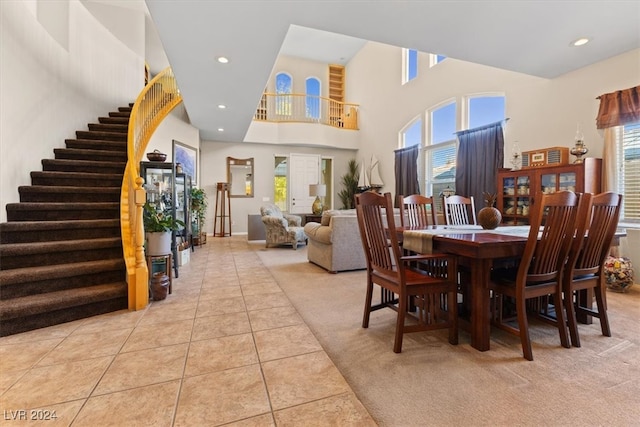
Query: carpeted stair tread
{"x": 25, "y": 206}
{"x": 87, "y": 166}
{"x": 22, "y": 249}
{"x": 109, "y": 127}
{"x": 90, "y": 154}
{"x": 115, "y": 120}
{"x": 53, "y": 211}
{"x": 102, "y": 144}
{"x": 42, "y": 226}
{"x": 113, "y": 136}
{"x": 67, "y": 189}
{"x": 51, "y": 193}
{"x": 65, "y": 178}
{"x": 22, "y": 275}
{"x": 120, "y": 114}
{"x": 42, "y": 303}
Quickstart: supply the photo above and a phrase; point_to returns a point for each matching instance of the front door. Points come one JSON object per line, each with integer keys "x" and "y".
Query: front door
{"x": 304, "y": 169}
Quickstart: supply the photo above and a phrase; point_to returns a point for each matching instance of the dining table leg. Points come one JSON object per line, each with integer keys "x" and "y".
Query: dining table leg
{"x": 480, "y": 302}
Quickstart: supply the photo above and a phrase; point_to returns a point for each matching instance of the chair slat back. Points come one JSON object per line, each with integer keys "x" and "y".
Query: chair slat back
{"x": 375, "y": 215}
{"x": 459, "y": 210}
{"x": 546, "y": 250}
{"x": 417, "y": 210}
{"x": 598, "y": 223}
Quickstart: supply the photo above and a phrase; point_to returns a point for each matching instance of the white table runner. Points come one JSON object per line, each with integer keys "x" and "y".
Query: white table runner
{"x": 421, "y": 241}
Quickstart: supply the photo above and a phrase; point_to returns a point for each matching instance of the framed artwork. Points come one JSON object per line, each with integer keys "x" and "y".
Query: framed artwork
{"x": 187, "y": 156}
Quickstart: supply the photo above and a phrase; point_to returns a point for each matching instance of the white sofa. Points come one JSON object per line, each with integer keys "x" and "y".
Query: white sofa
{"x": 334, "y": 244}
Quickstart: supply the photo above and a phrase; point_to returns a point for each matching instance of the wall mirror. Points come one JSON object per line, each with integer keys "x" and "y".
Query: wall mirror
{"x": 240, "y": 177}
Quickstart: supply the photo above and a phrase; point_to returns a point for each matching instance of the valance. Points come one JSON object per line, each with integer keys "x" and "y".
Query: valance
{"x": 619, "y": 108}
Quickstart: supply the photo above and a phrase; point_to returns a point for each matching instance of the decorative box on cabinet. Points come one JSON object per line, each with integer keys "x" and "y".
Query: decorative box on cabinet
{"x": 517, "y": 189}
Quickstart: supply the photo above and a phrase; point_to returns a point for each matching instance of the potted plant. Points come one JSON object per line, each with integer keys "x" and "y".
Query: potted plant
{"x": 350, "y": 183}
{"x": 198, "y": 210}
{"x": 158, "y": 227}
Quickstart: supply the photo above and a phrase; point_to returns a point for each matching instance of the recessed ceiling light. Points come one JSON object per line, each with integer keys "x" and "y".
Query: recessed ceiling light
{"x": 222, "y": 106}
{"x": 580, "y": 41}
{"x": 223, "y": 59}
{"x": 220, "y": 130}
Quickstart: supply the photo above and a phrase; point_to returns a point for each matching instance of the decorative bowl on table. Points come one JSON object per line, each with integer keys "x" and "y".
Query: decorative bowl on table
{"x": 156, "y": 156}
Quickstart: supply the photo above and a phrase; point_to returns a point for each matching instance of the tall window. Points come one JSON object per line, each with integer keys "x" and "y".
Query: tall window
{"x": 435, "y": 59}
{"x": 628, "y": 160}
{"x": 484, "y": 110}
{"x": 409, "y": 65}
{"x": 283, "y": 91}
{"x": 280, "y": 183}
{"x": 412, "y": 133}
{"x": 440, "y": 152}
{"x": 312, "y": 101}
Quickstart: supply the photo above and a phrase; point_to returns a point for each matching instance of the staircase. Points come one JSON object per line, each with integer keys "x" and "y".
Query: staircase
{"x": 60, "y": 251}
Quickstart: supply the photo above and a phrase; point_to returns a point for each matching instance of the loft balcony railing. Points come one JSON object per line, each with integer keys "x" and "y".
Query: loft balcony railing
{"x": 303, "y": 108}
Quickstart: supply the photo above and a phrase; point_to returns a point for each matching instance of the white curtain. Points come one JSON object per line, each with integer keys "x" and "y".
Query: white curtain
{"x": 612, "y": 140}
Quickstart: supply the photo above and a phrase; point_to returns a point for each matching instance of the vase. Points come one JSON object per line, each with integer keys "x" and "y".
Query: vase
{"x": 158, "y": 243}
{"x": 489, "y": 217}
{"x": 159, "y": 286}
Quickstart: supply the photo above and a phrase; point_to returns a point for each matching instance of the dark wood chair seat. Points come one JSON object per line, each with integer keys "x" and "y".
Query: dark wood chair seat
{"x": 430, "y": 288}
{"x": 539, "y": 274}
{"x": 585, "y": 266}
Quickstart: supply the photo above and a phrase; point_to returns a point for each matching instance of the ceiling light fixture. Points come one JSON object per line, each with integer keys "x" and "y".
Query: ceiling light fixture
{"x": 223, "y": 60}
{"x": 220, "y": 130}
{"x": 581, "y": 41}
{"x": 222, "y": 106}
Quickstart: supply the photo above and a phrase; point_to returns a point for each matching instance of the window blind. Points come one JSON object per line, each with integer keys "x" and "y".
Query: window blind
{"x": 629, "y": 173}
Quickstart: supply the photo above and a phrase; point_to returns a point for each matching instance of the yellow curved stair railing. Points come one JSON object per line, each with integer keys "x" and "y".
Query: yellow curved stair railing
{"x": 155, "y": 102}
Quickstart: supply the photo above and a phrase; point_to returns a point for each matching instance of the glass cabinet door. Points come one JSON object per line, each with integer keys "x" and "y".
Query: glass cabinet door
{"x": 567, "y": 181}
{"x": 158, "y": 183}
{"x": 548, "y": 183}
{"x": 181, "y": 207}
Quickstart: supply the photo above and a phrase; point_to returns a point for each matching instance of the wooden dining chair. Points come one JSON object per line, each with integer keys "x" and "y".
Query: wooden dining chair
{"x": 432, "y": 292}
{"x": 459, "y": 210}
{"x": 539, "y": 273}
{"x": 416, "y": 210}
{"x": 597, "y": 221}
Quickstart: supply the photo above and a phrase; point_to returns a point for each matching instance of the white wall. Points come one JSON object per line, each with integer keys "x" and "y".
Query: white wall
{"x": 174, "y": 127}
{"x": 49, "y": 91}
{"x": 542, "y": 112}
{"x": 214, "y": 169}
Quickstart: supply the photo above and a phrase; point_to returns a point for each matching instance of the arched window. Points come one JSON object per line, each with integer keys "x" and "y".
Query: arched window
{"x": 412, "y": 133}
{"x": 283, "y": 91}
{"x": 312, "y": 102}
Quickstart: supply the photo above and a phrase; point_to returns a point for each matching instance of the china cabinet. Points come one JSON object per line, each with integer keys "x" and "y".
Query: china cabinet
{"x": 517, "y": 189}
{"x": 169, "y": 192}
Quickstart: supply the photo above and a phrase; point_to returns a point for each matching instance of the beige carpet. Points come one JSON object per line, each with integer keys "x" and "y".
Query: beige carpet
{"x": 432, "y": 383}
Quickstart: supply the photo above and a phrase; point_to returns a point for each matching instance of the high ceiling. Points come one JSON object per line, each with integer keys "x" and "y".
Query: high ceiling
{"x": 531, "y": 37}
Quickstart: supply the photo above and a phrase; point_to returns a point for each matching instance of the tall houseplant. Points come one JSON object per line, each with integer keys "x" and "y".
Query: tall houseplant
{"x": 350, "y": 183}
{"x": 198, "y": 211}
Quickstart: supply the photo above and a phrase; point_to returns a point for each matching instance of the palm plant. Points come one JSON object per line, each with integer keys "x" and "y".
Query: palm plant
{"x": 350, "y": 183}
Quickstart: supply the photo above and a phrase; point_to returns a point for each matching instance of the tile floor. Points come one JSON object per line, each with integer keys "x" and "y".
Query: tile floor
{"x": 225, "y": 348}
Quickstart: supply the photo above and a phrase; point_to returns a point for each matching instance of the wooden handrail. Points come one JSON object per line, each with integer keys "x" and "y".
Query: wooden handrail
{"x": 303, "y": 108}
{"x": 154, "y": 103}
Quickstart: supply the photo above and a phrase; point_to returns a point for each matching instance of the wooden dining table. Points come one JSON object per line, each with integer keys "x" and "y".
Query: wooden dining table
{"x": 479, "y": 250}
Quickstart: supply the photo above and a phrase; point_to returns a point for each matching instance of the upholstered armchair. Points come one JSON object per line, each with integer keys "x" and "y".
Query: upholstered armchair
{"x": 281, "y": 228}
